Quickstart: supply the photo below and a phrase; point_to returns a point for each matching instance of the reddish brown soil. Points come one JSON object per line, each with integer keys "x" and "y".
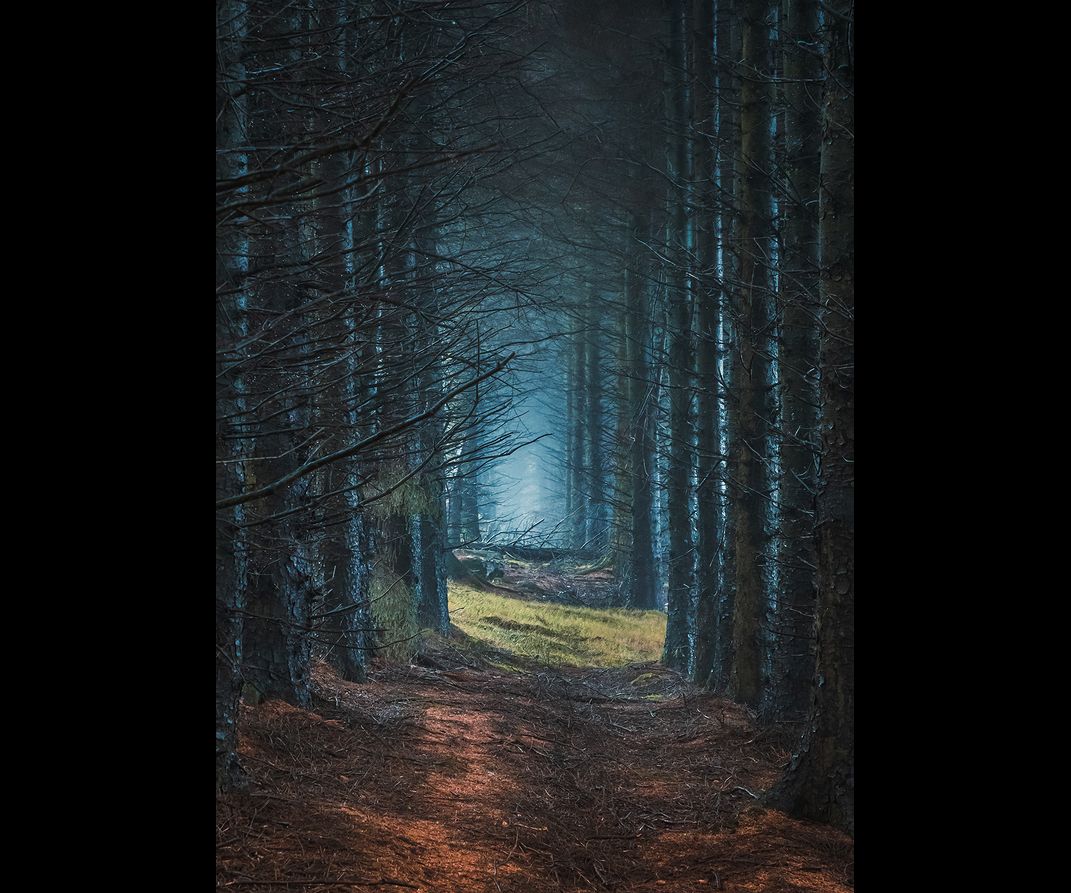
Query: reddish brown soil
{"x": 464, "y": 780}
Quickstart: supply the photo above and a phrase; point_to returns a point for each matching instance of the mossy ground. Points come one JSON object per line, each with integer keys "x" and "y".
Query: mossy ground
{"x": 553, "y": 634}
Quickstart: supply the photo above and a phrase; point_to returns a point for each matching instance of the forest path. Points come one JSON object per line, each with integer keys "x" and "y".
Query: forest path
{"x": 460, "y": 777}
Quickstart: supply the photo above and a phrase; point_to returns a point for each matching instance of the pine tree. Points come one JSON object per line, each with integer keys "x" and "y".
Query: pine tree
{"x": 820, "y": 783}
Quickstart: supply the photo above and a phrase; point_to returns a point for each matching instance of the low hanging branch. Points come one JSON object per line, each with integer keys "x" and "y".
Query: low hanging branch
{"x": 345, "y": 453}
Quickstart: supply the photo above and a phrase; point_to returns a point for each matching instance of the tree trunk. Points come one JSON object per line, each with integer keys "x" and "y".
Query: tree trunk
{"x": 567, "y": 351}
{"x": 398, "y": 357}
{"x": 232, "y": 328}
{"x": 754, "y": 325}
{"x": 793, "y": 659}
{"x": 728, "y": 44}
{"x": 578, "y": 522}
{"x": 597, "y": 540}
{"x": 707, "y": 446}
{"x": 284, "y": 577}
{"x": 341, "y": 635}
{"x": 642, "y": 583}
{"x": 676, "y": 653}
{"x": 622, "y": 524}
{"x": 820, "y": 783}
{"x": 467, "y": 486}
{"x": 432, "y": 610}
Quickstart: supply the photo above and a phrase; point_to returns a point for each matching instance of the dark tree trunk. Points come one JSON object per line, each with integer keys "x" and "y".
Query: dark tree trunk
{"x": 466, "y": 485}
{"x": 577, "y": 469}
{"x": 728, "y": 38}
{"x": 284, "y": 575}
{"x": 432, "y": 610}
{"x": 681, "y": 554}
{"x": 342, "y": 633}
{"x": 642, "y": 578}
{"x": 707, "y": 447}
{"x": 230, "y": 605}
{"x": 348, "y": 628}
{"x": 597, "y": 537}
{"x": 622, "y": 524}
{"x": 793, "y": 659}
{"x": 231, "y": 561}
{"x": 277, "y": 645}
{"x": 754, "y": 330}
{"x": 453, "y": 511}
{"x": 820, "y": 783}
{"x": 567, "y": 361}
{"x": 400, "y": 530}
{"x": 349, "y": 619}
{"x": 348, "y": 625}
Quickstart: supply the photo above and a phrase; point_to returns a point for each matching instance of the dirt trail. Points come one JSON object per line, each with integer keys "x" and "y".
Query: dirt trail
{"x": 466, "y": 779}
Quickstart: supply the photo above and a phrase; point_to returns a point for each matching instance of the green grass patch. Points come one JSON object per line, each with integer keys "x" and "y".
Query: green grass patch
{"x": 554, "y": 634}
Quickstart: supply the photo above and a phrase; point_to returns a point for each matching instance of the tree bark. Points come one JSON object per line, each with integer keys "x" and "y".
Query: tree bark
{"x": 342, "y": 635}
{"x": 597, "y": 534}
{"x": 754, "y": 329}
{"x": 622, "y": 523}
{"x": 642, "y": 583}
{"x": 707, "y": 297}
{"x": 820, "y": 783}
{"x": 728, "y": 46}
{"x": 400, "y": 531}
{"x": 284, "y": 575}
{"x": 676, "y": 653}
{"x": 793, "y": 658}
{"x": 577, "y": 468}
{"x": 231, "y": 328}
{"x": 432, "y": 609}
{"x": 467, "y": 486}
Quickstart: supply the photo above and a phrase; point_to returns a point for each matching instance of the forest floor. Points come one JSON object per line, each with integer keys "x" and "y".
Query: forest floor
{"x": 490, "y": 766}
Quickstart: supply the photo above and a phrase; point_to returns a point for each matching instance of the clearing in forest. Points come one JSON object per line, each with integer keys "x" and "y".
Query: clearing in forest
{"x": 539, "y": 747}
{"x": 512, "y": 633}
